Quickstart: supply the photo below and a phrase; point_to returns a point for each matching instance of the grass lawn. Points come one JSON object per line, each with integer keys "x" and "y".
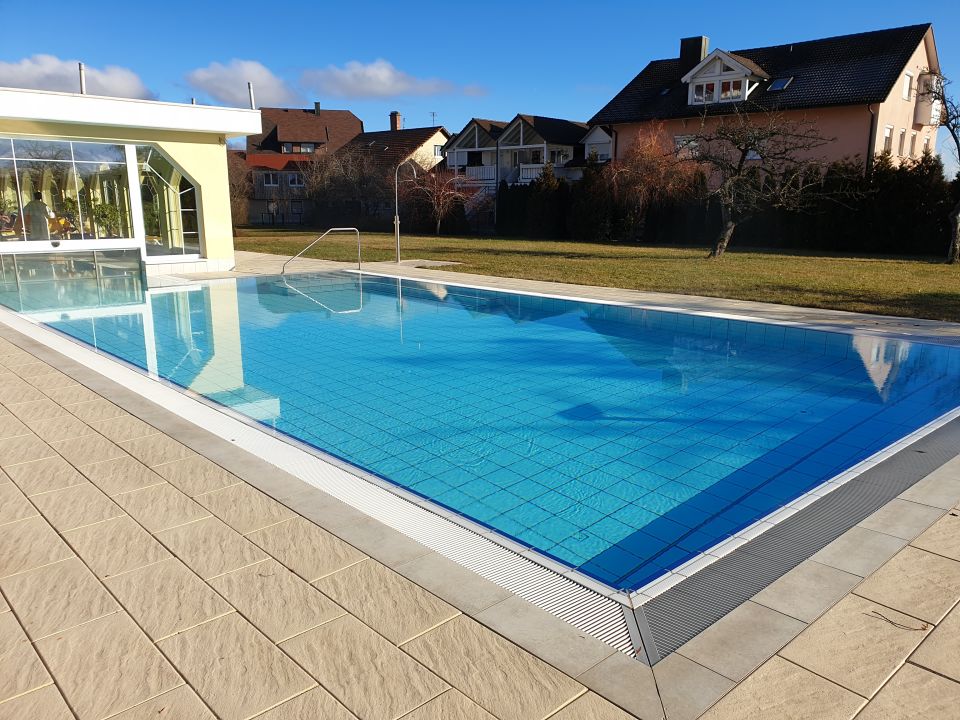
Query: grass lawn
{"x": 913, "y": 287}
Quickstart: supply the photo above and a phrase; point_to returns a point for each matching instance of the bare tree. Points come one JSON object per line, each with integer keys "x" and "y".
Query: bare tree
{"x": 937, "y": 92}
{"x": 651, "y": 172}
{"x": 443, "y": 191}
{"x": 240, "y": 187}
{"x": 756, "y": 161}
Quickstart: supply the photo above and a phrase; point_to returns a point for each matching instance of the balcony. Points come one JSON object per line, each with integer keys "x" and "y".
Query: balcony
{"x": 481, "y": 173}
{"x": 530, "y": 172}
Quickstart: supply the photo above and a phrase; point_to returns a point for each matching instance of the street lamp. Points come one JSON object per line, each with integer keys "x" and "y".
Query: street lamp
{"x": 396, "y": 201}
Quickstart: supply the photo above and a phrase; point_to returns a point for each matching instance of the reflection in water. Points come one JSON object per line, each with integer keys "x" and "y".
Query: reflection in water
{"x": 612, "y": 440}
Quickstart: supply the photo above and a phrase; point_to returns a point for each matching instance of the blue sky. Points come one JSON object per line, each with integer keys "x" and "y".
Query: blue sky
{"x": 460, "y": 60}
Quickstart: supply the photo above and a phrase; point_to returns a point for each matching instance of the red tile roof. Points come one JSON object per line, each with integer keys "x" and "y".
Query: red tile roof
{"x": 328, "y": 129}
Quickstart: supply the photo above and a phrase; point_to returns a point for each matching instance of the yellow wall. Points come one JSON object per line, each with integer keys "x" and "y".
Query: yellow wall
{"x": 201, "y": 156}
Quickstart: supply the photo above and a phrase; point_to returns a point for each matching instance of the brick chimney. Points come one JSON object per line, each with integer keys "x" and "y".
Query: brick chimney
{"x": 316, "y": 107}
{"x": 396, "y": 120}
{"x": 692, "y": 51}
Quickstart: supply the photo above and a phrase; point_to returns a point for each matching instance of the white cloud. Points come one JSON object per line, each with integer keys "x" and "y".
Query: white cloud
{"x": 48, "y": 72}
{"x": 378, "y": 79}
{"x": 228, "y": 84}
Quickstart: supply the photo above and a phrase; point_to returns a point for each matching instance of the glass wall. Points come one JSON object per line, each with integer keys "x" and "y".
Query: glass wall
{"x": 169, "y": 205}
{"x": 59, "y": 190}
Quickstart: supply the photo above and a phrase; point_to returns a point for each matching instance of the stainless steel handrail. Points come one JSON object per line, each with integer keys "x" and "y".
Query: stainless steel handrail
{"x": 331, "y": 230}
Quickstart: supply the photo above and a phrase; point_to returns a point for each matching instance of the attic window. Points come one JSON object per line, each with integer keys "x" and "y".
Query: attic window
{"x": 665, "y": 91}
{"x": 780, "y": 84}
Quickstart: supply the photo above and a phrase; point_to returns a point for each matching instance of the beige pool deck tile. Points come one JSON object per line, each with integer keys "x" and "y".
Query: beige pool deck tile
{"x": 106, "y": 666}
{"x": 389, "y": 603}
{"x": 51, "y": 380}
{"x": 915, "y": 694}
{"x": 71, "y": 395}
{"x": 630, "y": 684}
{"x": 20, "y": 667}
{"x": 316, "y": 703}
{"x": 742, "y": 640}
{"x": 76, "y": 506}
{"x": 17, "y": 450}
{"x": 11, "y": 427}
{"x": 807, "y": 591}
{"x": 943, "y": 537}
{"x": 196, "y": 475}
{"x": 11, "y": 393}
{"x": 782, "y": 690}
{"x": 276, "y": 600}
{"x": 454, "y": 704}
{"x": 244, "y": 508}
{"x": 859, "y": 551}
{"x": 234, "y": 668}
{"x": 38, "y": 410}
{"x": 121, "y": 475}
{"x": 28, "y": 544}
{"x": 31, "y": 368}
{"x": 858, "y": 644}
{"x": 506, "y": 681}
{"x": 902, "y": 518}
{"x": 940, "y": 651}
{"x": 115, "y": 546}
{"x": 915, "y": 582}
{"x": 57, "y": 597}
{"x": 181, "y": 703}
{"x": 95, "y": 409}
{"x": 4, "y": 478}
{"x": 686, "y": 688}
{"x": 87, "y": 450}
{"x": 160, "y": 507}
{"x": 60, "y": 428}
{"x": 123, "y": 427}
{"x": 166, "y": 598}
{"x": 45, "y": 703}
{"x": 211, "y": 548}
{"x": 306, "y": 549}
{"x": 14, "y": 504}
{"x": 374, "y": 679}
{"x": 52, "y": 473}
{"x": 156, "y": 449}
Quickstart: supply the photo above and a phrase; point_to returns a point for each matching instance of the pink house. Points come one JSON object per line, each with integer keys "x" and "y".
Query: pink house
{"x": 864, "y": 92}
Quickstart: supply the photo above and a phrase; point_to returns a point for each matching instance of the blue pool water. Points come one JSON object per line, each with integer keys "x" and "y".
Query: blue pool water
{"x": 618, "y": 441}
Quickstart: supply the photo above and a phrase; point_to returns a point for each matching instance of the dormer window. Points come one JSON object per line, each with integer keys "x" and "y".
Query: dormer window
{"x": 722, "y": 77}
{"x": 704, "y": 93}
{"x": 731, "y": 90}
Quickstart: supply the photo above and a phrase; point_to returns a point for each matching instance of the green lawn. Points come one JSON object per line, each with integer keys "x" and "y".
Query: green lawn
{"x": 913, "y": 287}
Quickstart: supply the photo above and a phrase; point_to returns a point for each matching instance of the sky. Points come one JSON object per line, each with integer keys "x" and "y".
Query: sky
{"x": 459, "y": 60}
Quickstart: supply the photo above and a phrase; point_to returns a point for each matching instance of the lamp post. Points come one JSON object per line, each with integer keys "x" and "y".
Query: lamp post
{"x": 396, "y": 201}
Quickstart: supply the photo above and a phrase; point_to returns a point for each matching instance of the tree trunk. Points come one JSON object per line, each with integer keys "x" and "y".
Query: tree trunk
{"x": 726, "y": 232}
{"x": 439, "y": 220}
{"x": 953, "y": 254}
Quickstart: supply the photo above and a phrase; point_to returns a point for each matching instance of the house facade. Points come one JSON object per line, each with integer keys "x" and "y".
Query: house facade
{"x": 90, "y": 184}
{"x": 488, "y": 152}
{"x": 864, "y": 92}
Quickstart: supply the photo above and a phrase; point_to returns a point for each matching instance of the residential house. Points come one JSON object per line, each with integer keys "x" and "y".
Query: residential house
{"x": 389, "y": 148}
{"x": 128, "y": 187}
{"x": 490, "y": 151}
{"x": 864, "y": 92}
{"x": 290, "y": 137}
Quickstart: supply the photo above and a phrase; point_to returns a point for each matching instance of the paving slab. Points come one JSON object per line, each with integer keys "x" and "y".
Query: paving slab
{"x": 160, "y": 507}
{"x": 505, "y": 680}
{"x": 859, "y": 551}
{"x": 590, "y": 706}
{"x": 688, "y": 688}
{"x": 940, "y": 651}
{"x": 278, "y": 602}
{"x": 14, "y": 505}
{"x": 123, "y": 427}
{"x": 181, "y": 703}
{"x": 115, "y": 546}
{"x": 858, "y": 644}
{"x": 914, "y": 694}
{"x": 941, "y": 488}
{"x": 27, "y": 544}
{"x": 155, "y": 450}
{"x": 915, "y": 582}
{"x": 21, "y": 670}
{"x": 166, "y": 598}
{"x": 244, "y": 508}
{"x": 454, "y": 704}
{"x": 626, "y": 681}
{"x": 46, "y": 703}
{"x": 24, "y": 448}
{"x": 454, "y": 583}
{"x": 60, "y": 428}
{"x": 395, "y": 607}
{"x": 121, "y": 475}
{"x": 807, "y": 591}
{"x": 57, "y": 597}
{"x": 234, "y": 668}
{"x": 211, "y": 548}
{"x": 195, "y": 475}
{"x": 52, "y": 473}
{"x": 370, "y": 676}
{"x": 902, "y": 518}
{"x": 313, "y": 704}
{"x": 76, "y": 506}
{"x": 943, "y": 537}
{"x": 87, "y": 450}
{"x": 106, "y": 666}
{"x": 305, "y": 548}
{"x": 782, "y": 690}
{"x": 742, "y": 640}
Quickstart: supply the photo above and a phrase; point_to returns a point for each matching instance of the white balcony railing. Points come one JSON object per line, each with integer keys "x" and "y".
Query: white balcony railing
{"x": 482, "y": 172}
{"x": 530, "y": 172}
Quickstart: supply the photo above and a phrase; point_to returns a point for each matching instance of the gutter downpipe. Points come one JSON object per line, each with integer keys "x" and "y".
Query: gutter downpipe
{"x": 871, "y": 138}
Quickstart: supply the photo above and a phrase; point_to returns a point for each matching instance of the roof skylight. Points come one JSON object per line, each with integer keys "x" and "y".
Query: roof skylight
{"x": 780, "y": 84}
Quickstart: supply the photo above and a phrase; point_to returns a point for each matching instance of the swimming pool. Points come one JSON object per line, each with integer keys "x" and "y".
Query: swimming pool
{"x": 616, "y": 440}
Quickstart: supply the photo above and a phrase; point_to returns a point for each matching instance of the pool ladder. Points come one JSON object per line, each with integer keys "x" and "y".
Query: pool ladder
{"x": 283, "y": 270}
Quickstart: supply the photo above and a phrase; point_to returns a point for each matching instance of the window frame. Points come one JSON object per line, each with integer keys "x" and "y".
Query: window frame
{"x": 907, "y": 85}
{"x": 267, "y": 175}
